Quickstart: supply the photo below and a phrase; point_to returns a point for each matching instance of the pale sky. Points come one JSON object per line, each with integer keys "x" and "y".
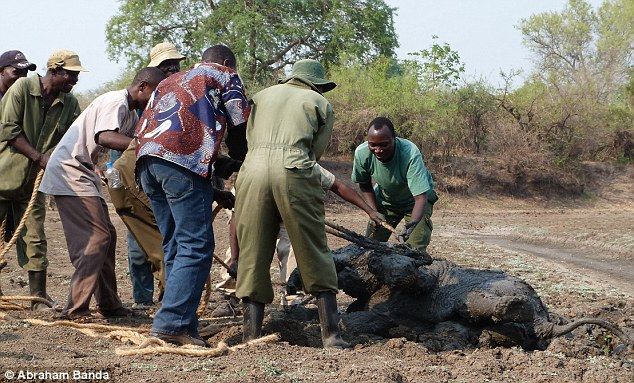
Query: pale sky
{"x": 482, "y": 31}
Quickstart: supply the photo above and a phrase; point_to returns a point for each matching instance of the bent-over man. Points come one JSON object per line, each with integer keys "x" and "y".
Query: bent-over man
{"x": 288, "y": 131}
{"x": 71, "y": 178}
{"x": 179, "y": 139}
{"x": 404, "y": 188}
{"x": 145, "y": 253}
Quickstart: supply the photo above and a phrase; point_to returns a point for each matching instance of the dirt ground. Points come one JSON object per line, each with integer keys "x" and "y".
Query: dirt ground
{"x": 578, "y": 255}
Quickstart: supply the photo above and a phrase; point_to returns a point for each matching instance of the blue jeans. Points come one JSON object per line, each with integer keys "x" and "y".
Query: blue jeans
{"x": 181, "y": 201}
{"x": 140, "y": 273}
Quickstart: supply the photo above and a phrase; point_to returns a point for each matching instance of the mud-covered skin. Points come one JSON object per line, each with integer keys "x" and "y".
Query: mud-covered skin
{"x": 399, "y": 291}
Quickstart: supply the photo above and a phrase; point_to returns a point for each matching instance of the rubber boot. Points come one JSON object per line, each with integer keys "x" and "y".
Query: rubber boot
{"x": 253, "y": 317}
{"x": 37, "y": 287}
{"x": 329, "y": 320}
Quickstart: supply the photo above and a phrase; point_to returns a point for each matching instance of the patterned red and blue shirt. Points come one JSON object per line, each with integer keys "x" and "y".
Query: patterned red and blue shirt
{"x": 188, "y": 114}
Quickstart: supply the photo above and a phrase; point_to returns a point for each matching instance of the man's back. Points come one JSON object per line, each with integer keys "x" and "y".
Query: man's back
{"x": 71, "y": 168}
{"x": 294, "y": 117}
{"x": 186, "y": 120}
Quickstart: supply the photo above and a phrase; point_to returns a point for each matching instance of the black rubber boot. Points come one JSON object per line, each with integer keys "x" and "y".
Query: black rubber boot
{"x": 37, "y": 287}
{"x": 253, "y": 317}
{"x": 329, "y": 320}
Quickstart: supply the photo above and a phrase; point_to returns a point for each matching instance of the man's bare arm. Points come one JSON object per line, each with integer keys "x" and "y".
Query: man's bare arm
{"x": 22, "y": 145}
{"x": 349, "y": 194}
{"x": 368, "y": 194}
{"x": 113, "y": 140}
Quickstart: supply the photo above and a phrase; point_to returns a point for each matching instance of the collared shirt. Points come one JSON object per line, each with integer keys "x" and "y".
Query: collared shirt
{"x": 21, "y": 112}
{"x": 294, "y": 118}
{"x": 71, "y": 169}
{"x": 188, "y": 115}
{"x": 396, "y": 181}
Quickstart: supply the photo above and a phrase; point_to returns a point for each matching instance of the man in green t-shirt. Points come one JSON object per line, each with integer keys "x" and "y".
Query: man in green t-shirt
{"x": 403, "y": 186}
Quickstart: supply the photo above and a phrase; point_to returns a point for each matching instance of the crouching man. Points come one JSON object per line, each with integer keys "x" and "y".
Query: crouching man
{"x": 403, "y": 189}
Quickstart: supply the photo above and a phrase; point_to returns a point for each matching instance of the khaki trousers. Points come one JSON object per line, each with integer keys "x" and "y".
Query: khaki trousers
{"x": 135, "y": 210}
{"x": 285, "y": 259}
{"x": 31, "y": 245}
{"x": 91, "y": 239}
{"x": 268, "y": 194}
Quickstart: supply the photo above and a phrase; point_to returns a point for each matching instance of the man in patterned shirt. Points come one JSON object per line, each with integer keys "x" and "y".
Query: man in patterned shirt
{"x": 179, "y": 137}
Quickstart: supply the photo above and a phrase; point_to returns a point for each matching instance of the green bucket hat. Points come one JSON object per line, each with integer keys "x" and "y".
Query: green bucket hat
{"x": 311, "y": 71}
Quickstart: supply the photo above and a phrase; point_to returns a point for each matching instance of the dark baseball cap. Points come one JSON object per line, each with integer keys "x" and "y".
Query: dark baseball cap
{"x": 16, "y": 59}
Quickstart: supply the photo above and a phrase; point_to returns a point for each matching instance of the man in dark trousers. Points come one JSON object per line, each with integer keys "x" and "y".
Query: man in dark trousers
{"x": 13, "y": 65}
{"x": 71, "y": 177}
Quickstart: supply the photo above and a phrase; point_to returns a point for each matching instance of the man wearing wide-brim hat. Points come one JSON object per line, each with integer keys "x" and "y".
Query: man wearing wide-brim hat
{"x": 288, "y": 131}
{"x": 166, "y": 57}
{"x": 34, "y": 115}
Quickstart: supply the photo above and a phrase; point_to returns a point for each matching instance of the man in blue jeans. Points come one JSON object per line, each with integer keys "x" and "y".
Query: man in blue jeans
{"x": 179, "y": 137}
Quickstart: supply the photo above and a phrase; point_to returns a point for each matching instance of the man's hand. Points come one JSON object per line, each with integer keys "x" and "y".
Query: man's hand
{"x": 233, "y": 269}
{"x": 225, "y": 166}
{"x": 407, "y": 230}
{"x": 377, "y": 218}
{"x": 224, "y": 198}
{"x": 43, "y": 160}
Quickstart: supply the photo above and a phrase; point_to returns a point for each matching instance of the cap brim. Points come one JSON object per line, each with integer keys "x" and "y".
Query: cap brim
{"x": 77, "y": 68}
{"x": 25, "y": 65}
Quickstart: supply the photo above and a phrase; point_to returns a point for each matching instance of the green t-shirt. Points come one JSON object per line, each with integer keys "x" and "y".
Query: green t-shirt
{"x": 396, "y": 181}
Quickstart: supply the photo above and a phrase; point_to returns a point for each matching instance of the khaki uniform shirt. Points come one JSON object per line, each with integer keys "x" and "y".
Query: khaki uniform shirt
{"x": 21, "y": 113}
{"x": 277, "y": 122}
{"x": 71, "y": 168}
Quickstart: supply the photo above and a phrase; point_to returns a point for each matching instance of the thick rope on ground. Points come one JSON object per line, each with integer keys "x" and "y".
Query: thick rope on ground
{"x": 6, "y": 301}
{"x": 144, "y": 344}
{"x": 92, "y": 326}
{"x": 221, "y": 349}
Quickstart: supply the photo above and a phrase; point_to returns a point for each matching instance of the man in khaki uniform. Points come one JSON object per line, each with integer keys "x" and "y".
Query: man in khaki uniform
{"x": 288, "y": 131}
{"x": 34, "y": 115}
{"x": 13, "y": 65}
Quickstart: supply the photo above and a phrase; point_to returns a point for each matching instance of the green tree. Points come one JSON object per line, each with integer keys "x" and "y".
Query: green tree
{"x": 475, "y": 104}
{"x": 583, "y": 46}
{"x": 572, "y": 100}
{"x": 438, "y": 65}
{"x": 266, "y": 35}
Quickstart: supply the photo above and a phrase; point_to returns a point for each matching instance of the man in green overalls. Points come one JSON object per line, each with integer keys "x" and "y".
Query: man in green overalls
{"x": 288, "y": 131}
{"x": 403, "y": 186}
{"x": 34, "y": 115}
